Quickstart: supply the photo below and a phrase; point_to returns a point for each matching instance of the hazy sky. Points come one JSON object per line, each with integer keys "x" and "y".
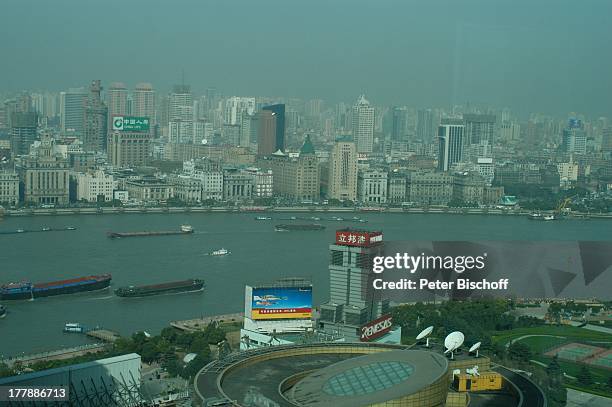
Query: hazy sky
{"x": 550, "y": 56}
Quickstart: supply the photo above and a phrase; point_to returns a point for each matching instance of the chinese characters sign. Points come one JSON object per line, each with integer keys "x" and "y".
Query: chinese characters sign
{"x": 357, "y": 238}
{"x": 130, "y": 123}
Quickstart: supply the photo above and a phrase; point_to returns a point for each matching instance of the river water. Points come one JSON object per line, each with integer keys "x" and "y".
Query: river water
{"x": 259, "y": 255}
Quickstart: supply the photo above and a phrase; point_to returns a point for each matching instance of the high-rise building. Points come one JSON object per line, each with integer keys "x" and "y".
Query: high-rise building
{"x": 45, "y": 175}
{"x": 117, "y": 100}
{"x": 143, "y": 102}
{"x": 23, "y": 132}
{"x": 278, "y": 114}
{"x": 425, "y": 130}
{"x": 574, "y": 138}
{"x": 266, "y": 135}
{"x": 129, "y": 148}
{"x": 606, "y": 140}
{"x": 399, "y": 125}
{"x": 451, "y": 143}
{"x": 342, "y": 179}
{"x": 236, "y": 107}
{"x": 72, "y": 111}
{"x": 479, "y": 128}
{"x": 95, "y": 120}
{"x": 363, "y": 125}
{"x": 353, "y": 301}
{"x": 9, "y": 188}
{"x": 180, "y": 103}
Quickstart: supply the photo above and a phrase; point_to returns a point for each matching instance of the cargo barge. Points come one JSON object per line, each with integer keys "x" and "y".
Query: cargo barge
{"x": 184, "y": 230}
{"x": 28, "y": 290}
{"x": 298, "y": 227}
{"x": 165, "y": 288}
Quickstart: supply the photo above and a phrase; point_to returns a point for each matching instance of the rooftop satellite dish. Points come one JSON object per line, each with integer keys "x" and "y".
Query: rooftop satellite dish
{"x": 475, "y": 348}
{"x": 452, "y": 342}
{"x": 425, "y": 334}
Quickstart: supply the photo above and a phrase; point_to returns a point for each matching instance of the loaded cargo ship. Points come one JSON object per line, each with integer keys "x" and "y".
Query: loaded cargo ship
{"x": 184, "y": 230}
{"x": 27, "y": 290}
{"x": 298, "y": 227}
{"x": 165, "y": 288}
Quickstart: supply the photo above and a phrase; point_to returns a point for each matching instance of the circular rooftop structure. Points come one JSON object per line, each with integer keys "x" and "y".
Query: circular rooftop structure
{"x": 338, "y": 374}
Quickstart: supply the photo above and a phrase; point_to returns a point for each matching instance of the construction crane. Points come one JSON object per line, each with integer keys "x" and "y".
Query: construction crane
{"x": 563, "y": 204}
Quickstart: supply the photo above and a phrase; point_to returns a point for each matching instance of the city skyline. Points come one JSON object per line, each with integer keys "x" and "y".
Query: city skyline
{"x": 416, "y": 54}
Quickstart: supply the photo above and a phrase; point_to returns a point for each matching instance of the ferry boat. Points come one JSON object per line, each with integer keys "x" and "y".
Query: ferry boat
{"x": 71, "y": 327}
{"x": 164, "y": 288}
{"x": 27, "y": 290}
{"x": 263, "y": 218}
{"x": 220, "y": 252}
{"x": 298, "y": 227}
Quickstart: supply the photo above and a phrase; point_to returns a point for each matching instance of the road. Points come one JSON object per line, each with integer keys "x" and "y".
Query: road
{"x": 532, "y": 395}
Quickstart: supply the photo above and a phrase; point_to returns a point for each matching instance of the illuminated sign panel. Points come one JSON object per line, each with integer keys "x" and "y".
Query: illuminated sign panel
{"x": 357, "y": 238}
{"x": 377, "y": 328}
{"x": 281, "y": 303}
{"x": 130, "y": 123}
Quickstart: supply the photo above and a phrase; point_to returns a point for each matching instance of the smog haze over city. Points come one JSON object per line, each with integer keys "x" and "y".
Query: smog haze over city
{"x": 531, "y": 56}
{"x": 306, "y": 203}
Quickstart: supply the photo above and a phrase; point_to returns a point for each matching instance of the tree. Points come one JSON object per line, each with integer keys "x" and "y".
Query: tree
{"x": 519, "y": 352}
{"x": 148, "y": 352}
{"x": 5, "y": 371}
{"x": 555, "y": 391}
{"x": 584, "y": 376}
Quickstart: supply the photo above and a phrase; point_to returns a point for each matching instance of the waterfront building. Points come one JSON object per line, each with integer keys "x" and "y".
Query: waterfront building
{"x": 263, "y": 182}
{"x": 94, "y": 186}
{"x": 372, "y": 186}
{"x": 149, "y": 189}
{"x": 430, "y": 187}
{"x": 296, "y": 178}
{"x": 237, "y": 185}
{"x": 45, "y": 175}
{"x": 342, "y": 180}
{"x": 396, "y": 191}
{"x": 187, "y": 187}
{"x": 363, "y": 125}
{"x": 9, "y": 188}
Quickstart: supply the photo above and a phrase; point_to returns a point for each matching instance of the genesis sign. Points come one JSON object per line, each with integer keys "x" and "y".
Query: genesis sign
{"x": 130, "y": 123}
{"x": 375, "y": 329}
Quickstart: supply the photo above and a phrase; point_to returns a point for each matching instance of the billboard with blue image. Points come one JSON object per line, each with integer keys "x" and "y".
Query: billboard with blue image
{"x": 281, "y": 303}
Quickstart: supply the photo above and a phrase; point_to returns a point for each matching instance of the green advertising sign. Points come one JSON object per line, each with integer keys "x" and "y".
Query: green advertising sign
{"x": 130, "y": 123}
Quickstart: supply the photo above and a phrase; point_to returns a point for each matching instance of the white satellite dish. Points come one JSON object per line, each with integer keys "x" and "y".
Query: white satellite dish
{"x": 425, "y": 334}
{"x": 475, "y": 348}
{"x": 453, "y": 341}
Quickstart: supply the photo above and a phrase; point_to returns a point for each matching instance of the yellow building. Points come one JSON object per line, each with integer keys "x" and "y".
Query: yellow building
{"x": 483, "y": 382}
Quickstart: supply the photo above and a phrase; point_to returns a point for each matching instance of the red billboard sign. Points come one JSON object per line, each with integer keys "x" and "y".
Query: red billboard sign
{"x": 357, "y": 238}
{"x": 376, "y": 329}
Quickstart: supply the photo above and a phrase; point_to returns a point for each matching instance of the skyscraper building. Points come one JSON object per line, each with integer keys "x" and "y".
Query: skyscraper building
{"x": 117, "y": 101}
{"x": 399, "y": 125}
{"x": 353, "y": 300}
{"x": 236, "y": 107}
{"x": 72, "y": 111}
{"x": 342, "y": 180}
{"x": 363, "y": 125}
{"x": 451, "y": 135}
{"x": 143, "y": 102}
{"x": 479, "y": 128}
{"x": 271, "y": 132}
{"x": 181, "y": 103}
{"x": 23, "y": 132}
{"x": 425, "y": 125}
{"x": 95, "y": 120}
{"x": 574, "y": 137}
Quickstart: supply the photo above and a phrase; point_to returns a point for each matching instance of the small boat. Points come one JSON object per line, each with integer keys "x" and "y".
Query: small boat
{"x": 263, "y": 218}
{"x": 20, "y": 231}
{"x": 70, "y": 228}
{"x": 220, "y": 252}
{"x": 46, "y": 229}
{"x": 549, "y": 217}
{"x": 186, "y": 229}
{"x": 71, "y": 327}
{"x": 536, "y": 216}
